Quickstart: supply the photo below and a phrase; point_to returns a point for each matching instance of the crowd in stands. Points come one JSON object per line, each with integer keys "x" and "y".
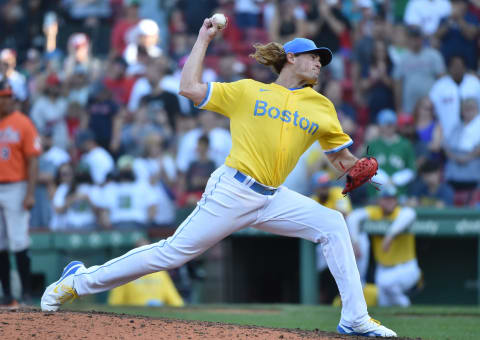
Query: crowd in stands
{"x": 100, "y": 78}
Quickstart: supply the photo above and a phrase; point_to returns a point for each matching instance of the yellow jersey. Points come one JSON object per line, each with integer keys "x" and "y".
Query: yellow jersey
{"x": 336, "y": 200}
{"x": 272, "y": 126}
{"x": 154, "y": 289}
{"x": 403, "y": 246}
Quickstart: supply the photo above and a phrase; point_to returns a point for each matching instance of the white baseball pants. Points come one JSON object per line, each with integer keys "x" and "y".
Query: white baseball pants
{"x": 226, "y": 207}
{"x": 393, "y": 282}
{"x": 13, "y": 217}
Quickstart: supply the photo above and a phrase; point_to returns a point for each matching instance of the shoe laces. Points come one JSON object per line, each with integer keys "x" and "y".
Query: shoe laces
{"x": 375, "y": 321}
{"x": 70, "y": 294}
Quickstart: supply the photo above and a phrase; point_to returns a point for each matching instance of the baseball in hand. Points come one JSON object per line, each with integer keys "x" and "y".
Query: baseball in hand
{"x": 219, "y": 20}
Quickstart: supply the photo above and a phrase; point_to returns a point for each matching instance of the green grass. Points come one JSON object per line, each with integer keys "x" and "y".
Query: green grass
{"x": 424, "y": 322}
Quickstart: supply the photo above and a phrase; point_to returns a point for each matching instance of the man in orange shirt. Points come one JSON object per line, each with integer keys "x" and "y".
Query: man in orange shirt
{"x": 19, "y": 149}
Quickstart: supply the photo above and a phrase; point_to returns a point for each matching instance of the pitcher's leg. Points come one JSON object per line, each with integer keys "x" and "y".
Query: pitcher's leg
{"x": 292, "y": 214}
{"x": 218, "y": 214}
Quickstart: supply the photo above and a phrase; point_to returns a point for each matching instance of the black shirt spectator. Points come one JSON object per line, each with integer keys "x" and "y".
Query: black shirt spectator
{"x": 458, "y": 34}
{"x": 330, "y": 24}
{"x": 165, "y": 102}
{"x": 102, "y": 111}
{"x": 428, "y": 189}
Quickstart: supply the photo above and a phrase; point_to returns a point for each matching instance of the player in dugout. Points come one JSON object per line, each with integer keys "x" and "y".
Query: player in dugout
{"x": 272, "y": 125}
{"x": 397, "y": 271}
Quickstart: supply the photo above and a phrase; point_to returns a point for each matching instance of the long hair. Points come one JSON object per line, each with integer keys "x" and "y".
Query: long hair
{"x": 271, "y": 54}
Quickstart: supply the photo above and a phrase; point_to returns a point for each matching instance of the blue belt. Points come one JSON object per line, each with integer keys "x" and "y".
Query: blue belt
{"x": 257, "y": 187}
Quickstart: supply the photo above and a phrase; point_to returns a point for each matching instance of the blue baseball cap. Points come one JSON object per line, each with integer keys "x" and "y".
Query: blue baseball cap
{"x": 386, "y": 117}
{"x": 303, "y": 45}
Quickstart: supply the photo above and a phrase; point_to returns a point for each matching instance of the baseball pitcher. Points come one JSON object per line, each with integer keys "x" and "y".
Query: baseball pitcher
{"x": 271, "y": 126}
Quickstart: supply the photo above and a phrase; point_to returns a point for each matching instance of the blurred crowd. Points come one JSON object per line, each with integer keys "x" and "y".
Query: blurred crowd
{"x": 100, "y": 78}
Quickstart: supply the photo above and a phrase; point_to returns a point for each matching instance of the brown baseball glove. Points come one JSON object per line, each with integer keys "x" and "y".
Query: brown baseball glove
{"x": 362, "y": 171}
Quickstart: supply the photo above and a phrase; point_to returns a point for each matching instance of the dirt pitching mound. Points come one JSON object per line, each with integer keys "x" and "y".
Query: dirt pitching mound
{"x": 34, "y": 324}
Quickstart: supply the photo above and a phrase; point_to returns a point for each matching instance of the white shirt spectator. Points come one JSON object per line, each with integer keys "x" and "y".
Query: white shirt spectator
{"x": 220, "y": 144}
{"x": 130, "y": 55}
{"x": 79, "y": 215}
{"x": 446, "y": 95}
{"x": 51, "y": 113}
{"x": 57, "y": 156}
{"x": 99, "y": 162}
{"x": 145, "y": 168}
{"x": 128, "y": 201}
{"x": 18, "y": 82}
{"x": 426, "y": 14}
{"x": 141, "y": 88}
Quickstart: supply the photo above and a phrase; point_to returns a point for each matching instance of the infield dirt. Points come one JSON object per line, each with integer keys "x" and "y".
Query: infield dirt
{"x": 31, "y": 323}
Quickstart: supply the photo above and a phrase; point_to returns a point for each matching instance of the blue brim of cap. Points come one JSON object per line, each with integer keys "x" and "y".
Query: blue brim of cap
{"x": 324, "y": 53}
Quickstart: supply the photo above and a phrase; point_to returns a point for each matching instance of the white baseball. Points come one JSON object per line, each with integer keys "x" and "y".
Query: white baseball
{"x": 219, "y": 20}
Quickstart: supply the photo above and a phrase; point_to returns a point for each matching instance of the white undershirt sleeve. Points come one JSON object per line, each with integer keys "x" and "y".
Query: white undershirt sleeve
{"x": 404, "y": 219}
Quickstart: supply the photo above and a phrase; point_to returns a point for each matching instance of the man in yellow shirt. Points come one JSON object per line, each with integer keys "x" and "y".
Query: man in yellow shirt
{"x": 397, "y": 269}
{"x": 156, "y": 289}
{"x": 271, "y": 126}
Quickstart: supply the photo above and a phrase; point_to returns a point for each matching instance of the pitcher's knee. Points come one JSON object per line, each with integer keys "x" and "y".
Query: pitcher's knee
{"x": 172, "y": 257}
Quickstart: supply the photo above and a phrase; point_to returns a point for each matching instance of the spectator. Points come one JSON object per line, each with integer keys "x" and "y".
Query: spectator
{"x": 118, "y": 82}
{"x": 427, "y": 14}
{"x": 130, "y": 204}
{"x": 428, "y": 189}
{"x": 151, "y": 82}
{"x": 220, "y": 142}
{"x": 49, "y": 111}
{"x": 20, "y": 148}
{"x": 132, "y": 134}
{"x": 50, "y": 31}
{"x": 428, "y": 131}
{"x": 52, "y": 153}
{"x": 8, "y": 62}
{"x": 378, "y": 85}
{"x": 157, "y": 167}
{"x": 144, "y": 39}
{"x": 75, "y": 200}
{"x": 416, "y": 72}
{"x": 79, "y": 58}
{"x": 162, "y": 106}
{"x": 287, "y": 22}
{"x": 102, "y": 111}
{"x": 399, "y": 44}
{"x": 230, "y": 69}
{"x": 41, "y": 212}
{"x": 448, "y": 92}
{"x": 362, "y": 54}
{"x": 96, "y": 158}
{"x": 92, "y": 17}
{"x": 78, "y": 87}
{"x": 328, "y": 26}
{"x": 247, "y": 14}
{"x": 198, "y": 172}
{"x": 130, "y": 18}
{"x": 397, "y": 269}
{"x": 463, "y": 149}
{"x": 458, "y": 34}
{"x": 395, "y": 154}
